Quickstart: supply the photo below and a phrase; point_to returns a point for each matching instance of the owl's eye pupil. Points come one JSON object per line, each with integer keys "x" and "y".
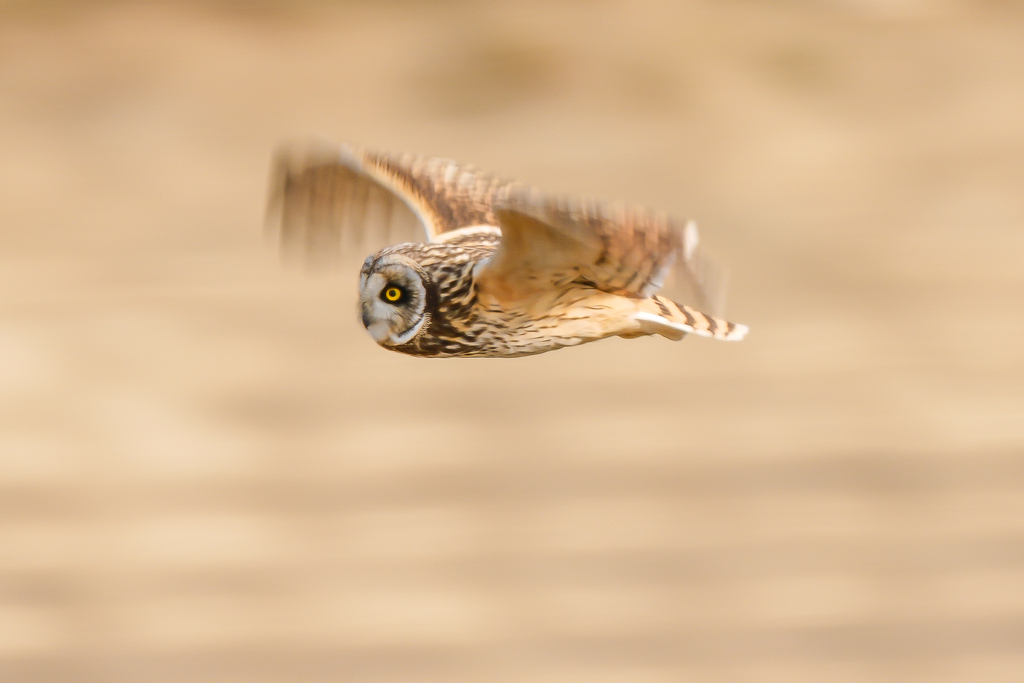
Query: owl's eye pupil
{"x": 392, "y": 294}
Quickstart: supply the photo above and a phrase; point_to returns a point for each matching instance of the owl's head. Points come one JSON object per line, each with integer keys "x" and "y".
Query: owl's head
{"x": 393, "y": 299}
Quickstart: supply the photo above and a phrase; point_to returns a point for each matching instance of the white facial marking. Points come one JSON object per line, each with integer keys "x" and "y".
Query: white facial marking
{"x": 410, "y": 333}
{"x": 392, "y": 323}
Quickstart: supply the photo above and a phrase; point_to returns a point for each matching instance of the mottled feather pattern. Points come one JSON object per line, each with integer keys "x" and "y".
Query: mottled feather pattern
{"x": 455, "y": 322}
{"x": 498, "y": 268}
{"x": 635, "y": 246}
{"x": 453, "y": 195}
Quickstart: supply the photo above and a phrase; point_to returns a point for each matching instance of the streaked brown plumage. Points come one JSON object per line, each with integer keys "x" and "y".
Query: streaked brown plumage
{"x": 470, "y": 264}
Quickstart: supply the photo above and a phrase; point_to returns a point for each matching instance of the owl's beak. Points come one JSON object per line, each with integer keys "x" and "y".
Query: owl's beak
{"x": 379, "y": 331}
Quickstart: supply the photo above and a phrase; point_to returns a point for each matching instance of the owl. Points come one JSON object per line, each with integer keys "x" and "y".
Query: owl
{"x": 467, "y": 264}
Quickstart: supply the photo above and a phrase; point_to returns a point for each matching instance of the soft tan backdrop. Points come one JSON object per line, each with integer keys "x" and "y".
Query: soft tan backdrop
{"x": 209, "y": 473}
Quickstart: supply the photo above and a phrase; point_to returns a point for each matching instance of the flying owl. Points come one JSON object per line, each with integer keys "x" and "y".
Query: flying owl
{"x": 465, "y": 263}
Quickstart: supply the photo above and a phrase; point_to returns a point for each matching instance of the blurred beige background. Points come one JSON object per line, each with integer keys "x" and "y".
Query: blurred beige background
{"x": 209, "y": 473}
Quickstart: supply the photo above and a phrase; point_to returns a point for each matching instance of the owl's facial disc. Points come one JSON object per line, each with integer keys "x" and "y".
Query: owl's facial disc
{"x": 392, "y": 299}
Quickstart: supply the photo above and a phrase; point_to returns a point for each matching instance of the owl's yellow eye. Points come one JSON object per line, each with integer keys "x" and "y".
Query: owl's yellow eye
{"x": 392, "y": 294}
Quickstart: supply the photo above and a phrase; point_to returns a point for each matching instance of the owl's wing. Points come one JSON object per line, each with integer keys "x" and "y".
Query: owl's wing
{"x": 549, "y": 241}
{"x": 329, "y": 202}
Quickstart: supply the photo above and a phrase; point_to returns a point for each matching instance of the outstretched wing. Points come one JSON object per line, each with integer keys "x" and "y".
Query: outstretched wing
{"x": 628, "y": 250}
{"x": 329, "y": 202}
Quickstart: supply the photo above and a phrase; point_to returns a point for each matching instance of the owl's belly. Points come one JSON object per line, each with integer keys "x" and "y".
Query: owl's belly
{"x": 577, "y": 316}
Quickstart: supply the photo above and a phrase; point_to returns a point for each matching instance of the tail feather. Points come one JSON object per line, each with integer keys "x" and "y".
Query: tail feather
{"x": 669, "y": 319}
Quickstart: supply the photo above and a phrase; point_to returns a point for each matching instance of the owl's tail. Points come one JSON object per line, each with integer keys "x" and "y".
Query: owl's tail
{"x": 659, "y": 315}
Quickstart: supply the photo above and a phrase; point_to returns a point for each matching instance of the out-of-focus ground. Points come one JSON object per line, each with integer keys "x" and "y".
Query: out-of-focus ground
{"x": 208, "y": 471}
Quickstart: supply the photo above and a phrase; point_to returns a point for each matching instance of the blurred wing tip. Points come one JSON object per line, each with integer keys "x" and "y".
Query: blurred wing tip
{"x": 290, "y": 159}
{"x": 294, "y": 157}
{"x": 690, "y": 239}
